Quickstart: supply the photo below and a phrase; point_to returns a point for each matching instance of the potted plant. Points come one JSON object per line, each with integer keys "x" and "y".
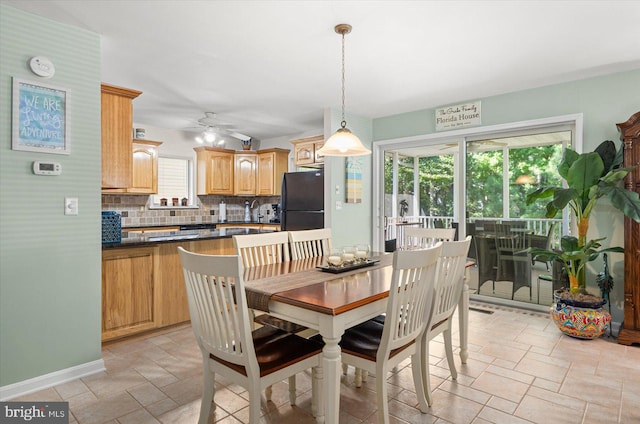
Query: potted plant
{"x": 588, "y": 176}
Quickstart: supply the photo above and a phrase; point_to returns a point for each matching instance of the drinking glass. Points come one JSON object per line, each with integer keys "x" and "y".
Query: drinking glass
{"x": 335, "y": 258}
{"x": 349, "y": 255}
{"x": 363, "y": 252}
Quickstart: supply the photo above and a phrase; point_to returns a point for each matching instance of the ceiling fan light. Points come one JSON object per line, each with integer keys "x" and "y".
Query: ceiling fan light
{"x": 343, "y": 143}
{"x": 209, "y": 135}
{"x": 199, "y": 140}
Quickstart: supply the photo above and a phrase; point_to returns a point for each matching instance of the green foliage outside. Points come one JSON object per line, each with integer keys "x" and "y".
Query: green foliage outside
{"x": 484, "y": 194}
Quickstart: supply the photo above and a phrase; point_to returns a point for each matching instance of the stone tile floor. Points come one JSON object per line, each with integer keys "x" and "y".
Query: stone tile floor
{"x": 521, "y": 369}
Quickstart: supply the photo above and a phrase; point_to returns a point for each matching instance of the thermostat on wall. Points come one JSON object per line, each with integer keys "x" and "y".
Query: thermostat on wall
{"x": 47, "y": 168}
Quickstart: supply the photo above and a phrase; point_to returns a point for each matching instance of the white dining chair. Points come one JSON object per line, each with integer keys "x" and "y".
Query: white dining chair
{"x": 424, "y": 237}
{"x": 377, "y": 348}
{"x": 414, "y": 238}
{"x": 265, "y": 249}
{"x": 310, "y": 243}
{"x": 448, "y": 288}
{"x": 221, "y": 324}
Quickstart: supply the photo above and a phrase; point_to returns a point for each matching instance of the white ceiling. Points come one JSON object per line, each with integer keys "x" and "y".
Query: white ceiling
{"x": 271, "y": 67}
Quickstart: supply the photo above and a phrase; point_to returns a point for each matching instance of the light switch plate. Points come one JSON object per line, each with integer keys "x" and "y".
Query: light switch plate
{"x": 71, "y": 206}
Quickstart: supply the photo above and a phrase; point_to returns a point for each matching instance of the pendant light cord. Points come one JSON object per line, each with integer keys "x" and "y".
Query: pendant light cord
{"x": 343, "y": 124}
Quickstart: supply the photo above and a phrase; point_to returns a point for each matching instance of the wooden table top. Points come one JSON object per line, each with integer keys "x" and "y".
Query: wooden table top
{"x": 300, "y": 283}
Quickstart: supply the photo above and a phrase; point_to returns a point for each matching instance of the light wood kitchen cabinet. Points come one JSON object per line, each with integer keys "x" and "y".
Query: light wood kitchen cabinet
{"x": 145, "y": 167}
{"x": 143, "y": 287}
{"x": 172, "y": 293}
{"x": 305, "y": 151}
{"x": 272, "y": 163}
{"x": 129, "y": 302}
{"x": 117, "y": 123}
{"x": 215, "y": 170}
{"x": 244, "y": 176}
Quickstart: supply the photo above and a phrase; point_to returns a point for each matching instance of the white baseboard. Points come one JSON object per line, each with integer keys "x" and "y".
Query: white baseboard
{"x": 48, "y": 380}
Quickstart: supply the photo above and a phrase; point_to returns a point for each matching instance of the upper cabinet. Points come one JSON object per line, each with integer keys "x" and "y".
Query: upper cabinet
{"x": 244, "y": 177}
{"x": 240, "y": 173}
{"x": 306, "y": 151}
{"x": 272, "y": 163}
{"x": 145, "y": 167}
{"x": 117, "y": 124}
{"x": 215, "y": 170}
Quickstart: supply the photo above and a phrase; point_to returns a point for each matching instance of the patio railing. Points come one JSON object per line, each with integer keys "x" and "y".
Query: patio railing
{"x": 394, "y": 226}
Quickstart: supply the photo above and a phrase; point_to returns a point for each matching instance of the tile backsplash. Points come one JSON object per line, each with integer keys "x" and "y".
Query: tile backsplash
{"x": 135, "y": 210}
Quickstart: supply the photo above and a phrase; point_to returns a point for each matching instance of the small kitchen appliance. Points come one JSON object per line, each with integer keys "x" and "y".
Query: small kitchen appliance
{"x": 276, "y": 213}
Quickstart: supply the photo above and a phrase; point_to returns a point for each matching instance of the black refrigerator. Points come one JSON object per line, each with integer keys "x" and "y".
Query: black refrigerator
{"x": 302, "y": 201}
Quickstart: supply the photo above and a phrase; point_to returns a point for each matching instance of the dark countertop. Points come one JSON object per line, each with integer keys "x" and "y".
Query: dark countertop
{"x": 149, "y": 238}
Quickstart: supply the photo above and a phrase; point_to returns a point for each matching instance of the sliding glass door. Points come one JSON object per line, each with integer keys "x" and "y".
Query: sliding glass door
{"x": 484, "y": 178}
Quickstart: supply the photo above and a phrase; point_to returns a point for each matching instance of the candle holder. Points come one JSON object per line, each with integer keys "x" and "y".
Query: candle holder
{"x": 349, "y": 255}
{"x": 363, "y": 252}
{"x": 335, "y": 258}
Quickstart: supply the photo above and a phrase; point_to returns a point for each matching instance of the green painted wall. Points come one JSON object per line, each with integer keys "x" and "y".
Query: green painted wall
{"x": 603, "y": 101}
{"x": 50, "y": 264}
{"x": 350, "y": 225}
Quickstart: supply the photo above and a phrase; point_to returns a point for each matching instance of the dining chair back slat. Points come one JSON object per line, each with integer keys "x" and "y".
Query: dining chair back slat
{"x": 310, "y": 243}
{"x": 262, "y": 249}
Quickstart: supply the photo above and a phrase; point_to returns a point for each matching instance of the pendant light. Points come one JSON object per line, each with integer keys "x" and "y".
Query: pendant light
{"x": 343, "y": 142}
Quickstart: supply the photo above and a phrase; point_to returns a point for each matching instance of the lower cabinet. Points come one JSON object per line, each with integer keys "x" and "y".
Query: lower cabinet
{"x": 128, "y": 291}
{"x": 143, "y": 287}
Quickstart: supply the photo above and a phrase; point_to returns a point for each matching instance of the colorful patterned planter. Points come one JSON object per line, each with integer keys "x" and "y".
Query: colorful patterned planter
{"x": 580, "y": 322}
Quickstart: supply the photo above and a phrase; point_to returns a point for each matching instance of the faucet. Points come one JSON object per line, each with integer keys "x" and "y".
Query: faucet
{"x": 253, "y": 203}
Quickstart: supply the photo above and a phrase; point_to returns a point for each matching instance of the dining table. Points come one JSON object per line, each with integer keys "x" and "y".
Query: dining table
{"x": 307, "y": 292}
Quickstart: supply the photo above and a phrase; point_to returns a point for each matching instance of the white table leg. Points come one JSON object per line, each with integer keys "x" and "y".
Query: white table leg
{"x": 463, "y": 317}
{"x": 331, "y": 367}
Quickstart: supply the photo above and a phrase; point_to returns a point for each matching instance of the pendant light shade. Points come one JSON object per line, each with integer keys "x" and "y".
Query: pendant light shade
{"x": 343, "y": 142}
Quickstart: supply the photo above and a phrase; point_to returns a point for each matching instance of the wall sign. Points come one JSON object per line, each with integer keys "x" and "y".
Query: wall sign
{"x": 458, "y": 116}
{"x": 40, "y": 113}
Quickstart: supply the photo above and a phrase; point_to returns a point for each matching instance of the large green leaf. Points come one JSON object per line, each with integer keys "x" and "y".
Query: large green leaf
{"x": 568, "y": 243}
{"x": 625, "y": 200}
{"x": 607, "y": 152}
{"x": 617, "y": 161}
{"x": 568, "y": 158}
{"x": 616, "y": 175}
{"x": 584, "y": 173}
{"x": 541, "y": 193}
{"x": 562, "y": 197}
{"x": 552, "y": 211}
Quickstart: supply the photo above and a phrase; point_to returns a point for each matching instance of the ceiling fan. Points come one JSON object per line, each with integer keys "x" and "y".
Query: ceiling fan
{"x": 215, "y": 130}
